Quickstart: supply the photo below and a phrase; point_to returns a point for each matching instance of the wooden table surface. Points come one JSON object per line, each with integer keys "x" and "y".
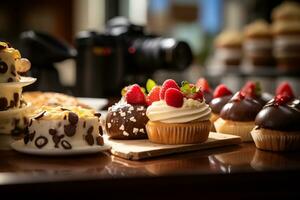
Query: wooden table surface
{"x": 241, "y": 170}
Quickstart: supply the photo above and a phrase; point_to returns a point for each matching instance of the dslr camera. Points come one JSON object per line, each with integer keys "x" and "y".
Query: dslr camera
{"x": 124, "y": 53}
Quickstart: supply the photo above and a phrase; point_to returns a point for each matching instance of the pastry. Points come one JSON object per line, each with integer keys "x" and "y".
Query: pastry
{"x": 203, "y": 84}
{"x": 221, "y": 96}
{"x": 277, "y": 125}
{"x": 238, "y": 115}
{"x": 228, "y": 48}
{"x": 286, "y": 33}
{"x": 63, "y": 128}
{"x": 127, "y": 118}
{"x": 258, "y": 44}
{"x": 180, "y": 117}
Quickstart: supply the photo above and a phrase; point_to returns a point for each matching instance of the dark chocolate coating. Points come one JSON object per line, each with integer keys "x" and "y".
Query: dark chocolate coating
{"x": 208, "y": 96}
{"x": 123, "y": 121}
{"x": 279, "y": 117}
{"x": 241, "y": 110}
{"x": 217, "y": 104}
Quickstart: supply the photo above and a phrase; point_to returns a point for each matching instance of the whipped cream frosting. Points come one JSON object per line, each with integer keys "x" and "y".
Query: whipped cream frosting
{"x": 191, "y": 110}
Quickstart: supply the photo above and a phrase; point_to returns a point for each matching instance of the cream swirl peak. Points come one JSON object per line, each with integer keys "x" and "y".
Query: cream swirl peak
{"x": 191, "y": 110}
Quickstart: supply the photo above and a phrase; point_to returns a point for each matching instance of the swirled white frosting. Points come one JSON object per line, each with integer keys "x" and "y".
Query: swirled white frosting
{"x": 191, "y": 110}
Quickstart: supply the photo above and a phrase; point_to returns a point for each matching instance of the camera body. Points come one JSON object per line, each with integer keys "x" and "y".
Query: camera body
{"x": 123, "y": 54}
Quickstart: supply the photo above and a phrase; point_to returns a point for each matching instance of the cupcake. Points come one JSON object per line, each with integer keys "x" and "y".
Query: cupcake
{"x": 258, "y": 44}
{"x": 204, "y": 86}
{"x": 238, "y": 115}
{"x": 221, "y": 96}
{"x": 286, "y": 33}
{"x": 180, "y": 117}
{"x": 63, "y": 128}
{"x": 228, "y": 48}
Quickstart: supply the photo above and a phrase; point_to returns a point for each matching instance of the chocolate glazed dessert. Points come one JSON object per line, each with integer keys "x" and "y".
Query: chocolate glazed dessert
{"x": 277, "y": 125}
{"x": 217, "y": 104}
{"x": 125, "y": 121}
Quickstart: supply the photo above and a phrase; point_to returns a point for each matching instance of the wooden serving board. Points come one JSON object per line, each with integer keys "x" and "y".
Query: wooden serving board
{"x": 141, "y": 149}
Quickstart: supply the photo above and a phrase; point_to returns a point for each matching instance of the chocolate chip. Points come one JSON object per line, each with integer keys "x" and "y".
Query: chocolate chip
{"x": 3, "y": 67}
{"x": 3, "y": 103}
{"x": 73, "y": 118}
{"x": 90, "y": 130}
{"x": 65, "y": 117}
{"x": 70, "y": 130}
{"x": 52, "y": 131}
{"x": 99, "y": 140}
{"x": 13, "y": 70}
{"x": 84, "y": 124}
{"x": 97, "y": 114}
{"x": 11, "y": 104}
{"x": 40, "y": 141}
{"x": 26, "y": 136}
{"x": 30, "y": 122}
{"x": 40, "y": 115}
{"x": 31, "y": 135}
{"x": 100, "y": 130}
{"x": 89, "y": 139}
{"x": 16, "y": 98}
{"x": 66, "y": 145}
{"x": 64, "y": 109}
{"x": 10, "y": 79}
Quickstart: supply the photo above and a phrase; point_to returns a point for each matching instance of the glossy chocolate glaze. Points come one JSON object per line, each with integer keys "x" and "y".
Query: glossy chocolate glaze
{"x": 280, "y": 117}
{"x": 243, "y": 110}
{"x": 208, "y": 96}
{"x": 217, "y": 104}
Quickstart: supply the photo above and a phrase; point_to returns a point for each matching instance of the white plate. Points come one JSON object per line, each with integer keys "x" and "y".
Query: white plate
{"x": 22, "y": 148}
{"x": 96, "y": 103}
{"x": 24, "y": 81}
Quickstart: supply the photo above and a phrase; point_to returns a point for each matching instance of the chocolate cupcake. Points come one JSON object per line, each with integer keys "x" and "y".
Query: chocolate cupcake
{"x": 125, "y": 121}
{"x": 238, "y": 115}
{"x": 258, "y": 44}
{"x": 277, "y": 125}
{"x": 228, "y": 48}
{"x": 286, "y": 33}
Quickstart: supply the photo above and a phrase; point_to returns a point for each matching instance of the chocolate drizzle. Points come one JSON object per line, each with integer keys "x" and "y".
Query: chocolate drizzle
{"x": 280, "y": 117}
{"x": 217, "y": 104}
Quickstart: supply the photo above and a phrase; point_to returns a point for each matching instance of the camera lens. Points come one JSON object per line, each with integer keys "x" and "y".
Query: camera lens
{"x": 160, "y": 53}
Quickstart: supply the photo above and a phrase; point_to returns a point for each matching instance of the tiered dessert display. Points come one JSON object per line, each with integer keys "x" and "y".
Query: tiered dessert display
{"x": 13, "y": 108}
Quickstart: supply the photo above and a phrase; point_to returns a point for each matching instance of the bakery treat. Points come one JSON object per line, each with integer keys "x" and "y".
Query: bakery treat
{"x": 125, "y": 121}
{"x": 286, "y": 33}
{"x": 277, "y": 125}
{"x": 228, "y": 48}
{"x": 39, "y": 99}
{"x": 63, "y": 128}
{"x": 180, "y": 117}
{"x": 258, "y": 44}
{"x": 221, "y": 96}
{"x": 204, "y": 86}
{"x": 238, "y": 115}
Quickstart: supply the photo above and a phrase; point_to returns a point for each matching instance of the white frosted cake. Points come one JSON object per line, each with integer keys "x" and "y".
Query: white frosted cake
{"x": 64, "y": 128}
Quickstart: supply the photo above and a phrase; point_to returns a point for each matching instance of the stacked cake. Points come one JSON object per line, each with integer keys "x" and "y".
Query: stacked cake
{"x": 12, "y": 107}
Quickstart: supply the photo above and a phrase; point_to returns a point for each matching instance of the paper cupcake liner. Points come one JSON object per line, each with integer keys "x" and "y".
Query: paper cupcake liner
{"x": 276, "y": 140}
{"x": 241, "y": 129}
{"x": 187, "y": 133}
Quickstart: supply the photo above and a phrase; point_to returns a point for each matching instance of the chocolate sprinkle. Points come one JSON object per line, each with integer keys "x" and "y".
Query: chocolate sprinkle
{"x": 100, "y": 130}
{"x": 40, "y": 141}
{"x": 89, "y": 139}
{"x": 3, "y": 67}
{"x": 97, "y": 114}
{"x": 16, "y": 98}
{"x": 73, "y": 118}
{"x": 30, "y": 122}
{"x": 64, "y": 109}
{"x": 70, "y": 130}
{"x": 31, "y": 136}
{"x": 84, "y": 124}
{"x": 90, "y": 130}
{"x": 66, "y": 145}
{"x": 65, "y": 117}
{"x": 40, "y": 115}
{"x": 52, "y": 131}
{"x": 3, "y": 103}
{"x": 56, "y": 138}
{"x": 99, "y": 140}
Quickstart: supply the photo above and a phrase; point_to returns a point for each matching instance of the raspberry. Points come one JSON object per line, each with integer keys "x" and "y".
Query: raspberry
{"x": 282, "y": 99}
{"x": 221, "y": 90}
{"x": 169, "y": 83}
{"x": 135, "y": 95}
{"x": 251, "y": 89}
{"x": 174, "y": 97}
{"x": 203, "y": 84}
{"x": 153, "y": 95}
{"x": 285, "y": 89}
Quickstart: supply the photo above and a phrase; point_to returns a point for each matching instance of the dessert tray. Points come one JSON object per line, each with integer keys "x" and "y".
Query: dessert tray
{"x": 22, "y": 148}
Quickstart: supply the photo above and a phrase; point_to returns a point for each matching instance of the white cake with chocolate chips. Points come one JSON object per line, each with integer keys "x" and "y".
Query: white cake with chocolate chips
{"x": 64, "y": 128}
